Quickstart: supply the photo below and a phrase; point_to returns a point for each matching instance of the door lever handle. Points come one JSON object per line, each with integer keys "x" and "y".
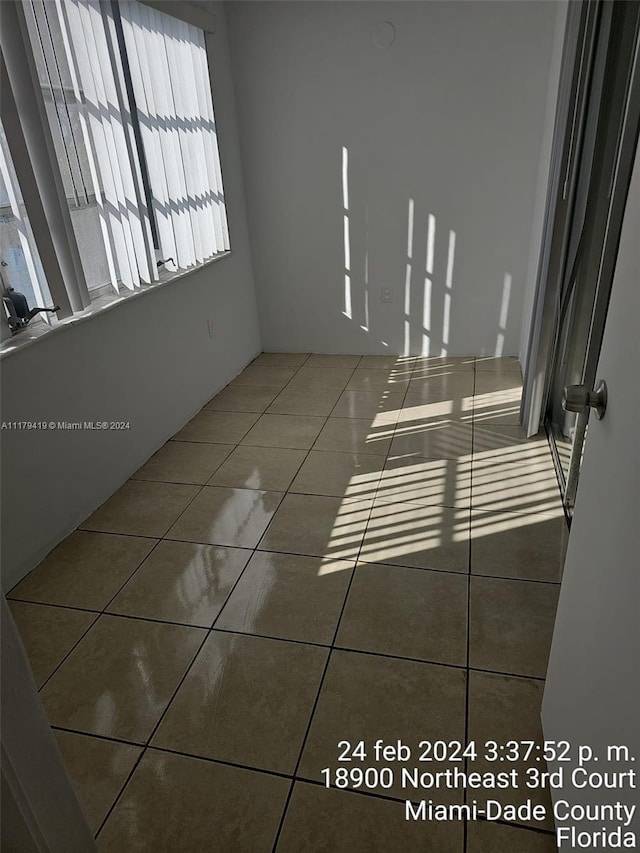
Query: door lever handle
{"x": 578, "y": 398}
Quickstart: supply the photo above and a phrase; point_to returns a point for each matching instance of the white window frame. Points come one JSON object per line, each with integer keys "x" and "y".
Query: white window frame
{"x": 35, "y": 161}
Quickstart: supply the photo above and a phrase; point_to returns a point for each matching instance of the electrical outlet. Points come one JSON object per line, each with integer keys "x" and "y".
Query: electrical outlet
{"x": 210, "y": 328}
{"x": 386, "y": 294}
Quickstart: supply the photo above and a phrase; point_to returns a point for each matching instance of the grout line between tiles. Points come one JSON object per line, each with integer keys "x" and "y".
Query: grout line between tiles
{"x": 311, "y": 715}
{"x": 393, "y": 428}
{"x": 332, "y": 648}
{"x": 313, "y": 643}
{"x": 465, "y": 827}
{"x": 271, "y": 773}
{"x": 57, "y": 667}
{"x": 145, "y": 745}
{"x": 319, "y": 690}
{"x": 122, "y": 788}
{"x": 57, "y": 728}
{"x": 262, "y": 771}
{"x": 373, "y": 795}
{"x": 207, "y": 634}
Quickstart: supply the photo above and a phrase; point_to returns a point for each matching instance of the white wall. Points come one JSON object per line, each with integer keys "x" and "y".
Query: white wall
{"x": 150, "y": 362}
{"x": 451, "y": 116}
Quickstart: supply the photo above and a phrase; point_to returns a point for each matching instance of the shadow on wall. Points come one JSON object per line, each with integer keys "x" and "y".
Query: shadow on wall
{"x": 428, "y": 290}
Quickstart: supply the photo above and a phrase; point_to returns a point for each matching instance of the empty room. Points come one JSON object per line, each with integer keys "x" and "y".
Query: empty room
{"x": 320, "y": 477}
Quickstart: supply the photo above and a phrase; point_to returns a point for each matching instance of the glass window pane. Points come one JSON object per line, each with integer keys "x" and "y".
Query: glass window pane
{"x": 167, "y": 59}
{"x": 20, "y": 265}
{"x": 63, "y": 98}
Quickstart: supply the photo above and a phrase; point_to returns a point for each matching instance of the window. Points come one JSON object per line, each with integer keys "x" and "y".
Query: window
{"x": 20, "y": 267}
{"x": 171, "y": 89}
{"x": 126, "y": 112}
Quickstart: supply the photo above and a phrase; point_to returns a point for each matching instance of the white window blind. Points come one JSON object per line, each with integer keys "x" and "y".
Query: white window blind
{"x": 170, "y": 78}
{"x": 80, "y": 72}
{"x": 93, "y": 40}
{"x": 114, "y": 108}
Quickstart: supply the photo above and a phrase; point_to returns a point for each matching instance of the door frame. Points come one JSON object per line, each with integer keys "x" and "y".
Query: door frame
{"x": 587, "y": 26}
{"x": 602, "y": 186}
{"x": 577, "y": 57}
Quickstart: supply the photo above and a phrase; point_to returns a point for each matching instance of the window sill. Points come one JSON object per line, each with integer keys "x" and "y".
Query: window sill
{"x": 39, "y": 330}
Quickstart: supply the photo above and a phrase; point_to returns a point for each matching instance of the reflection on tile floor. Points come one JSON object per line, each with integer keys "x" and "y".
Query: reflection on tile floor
{"x": 335, "y": 548}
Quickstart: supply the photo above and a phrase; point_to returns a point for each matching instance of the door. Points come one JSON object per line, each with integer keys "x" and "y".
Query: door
{"x": 591, "y": 696}
{"x": 603, "y": 167}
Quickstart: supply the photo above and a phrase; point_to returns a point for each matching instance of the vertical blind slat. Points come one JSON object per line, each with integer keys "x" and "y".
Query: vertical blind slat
{"x": 175, "y": 108}
{"x": 91, "y": 56}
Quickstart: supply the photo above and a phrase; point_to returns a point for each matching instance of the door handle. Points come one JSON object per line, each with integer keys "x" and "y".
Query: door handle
{"x": 578, "y": 398}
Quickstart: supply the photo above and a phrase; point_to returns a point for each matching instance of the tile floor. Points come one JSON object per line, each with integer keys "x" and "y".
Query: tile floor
{"x": 335, "y": 548}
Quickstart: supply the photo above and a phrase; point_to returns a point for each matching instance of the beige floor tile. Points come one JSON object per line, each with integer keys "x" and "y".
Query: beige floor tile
{"x": 494, "y": 390}
{"x": 141, "y": 508}
{"x": 297, "y": 432}
{"x": 494, "y": 444}
{"x": 394, "y": 428}
{"x": 529, "y": 487}
{"x": 403, "y": 363}
{"x": 217, "y": 427}
{"x": 280, "y": 359}
{"x": 288, "y": 596}
{"x": 490, "y": 409}
{"x": 518, "y": 545}
{"x": 243, "y": 398}
{"x": 355, "y": 435}
{"x": 495, "y": 436}
{"x": 293, "y": 401}
{"x": 497, "y": 364}
{"x": 246, "y": 700}
{"x": 318, "y": 526}
{"x": 432, "y": 482}
{"x": 441, "y": 440}
{"x": 500, "y": 415}
{"x": 270, "y": 468}
{"x": 485, "y": 837}
{"x": 408, "y": 613}
{"x": 184, "y": 462}
{"x": 440, "y": 398}
{"x": 275, "y": 377}
{"x": 498, "y": 382}
{"x": 174, "y": 803}
{"x": 374, "y": 379}
{"x": 502, "y": 709}
{"x": 317, "y": 378}
{"x": 182, "y": 582}
{"x": 320, "y": 360}
{"x": 422, "y": 537}
{"x": 454, "y": 386}
{"x": 420, "y": 415}
{"x": 367, "y": 697}
{"x": 48, "y": 634}
{"x": 427, "y": 366}
{"x": 511, "y": 625}
{"x": 85, "y": 570}
{"x": 319, "y": 819}
{"x": 497, "y": 398}
{"x": 120, "y": 678}
{"x": 376, "y": 406}
{"x": 98, "y": 769}
{"x": 353, "y": 475}
{"x": 221, "y": 516}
